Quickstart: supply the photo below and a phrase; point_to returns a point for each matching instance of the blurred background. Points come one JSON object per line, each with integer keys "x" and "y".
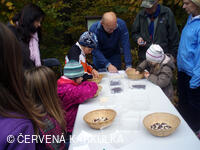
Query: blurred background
{"x": 65, "y": 21}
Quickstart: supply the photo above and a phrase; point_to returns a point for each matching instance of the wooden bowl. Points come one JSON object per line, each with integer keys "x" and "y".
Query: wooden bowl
{"x": 97, "y": 80}
{"x": 131, "y": 73}
{"x": 153, "y": 123}
{"x": 98, "y": 91}
{"x": 99, "y": 119}
{"x": 102, "y": 75}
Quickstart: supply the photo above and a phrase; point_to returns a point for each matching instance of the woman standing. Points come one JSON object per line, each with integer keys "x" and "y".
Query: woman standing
{"x": 188, "y": 61}
{"x": 28, "y": 31}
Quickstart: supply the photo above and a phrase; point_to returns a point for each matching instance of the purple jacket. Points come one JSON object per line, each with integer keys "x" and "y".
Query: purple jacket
{"x": 72, "y": 95}
{"x": 13, "y": 126}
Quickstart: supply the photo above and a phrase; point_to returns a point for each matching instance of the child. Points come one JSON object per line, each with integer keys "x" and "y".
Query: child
{"x": 72, "y": 91}
{"x": 41, "y": 86}
{"x": 18, "y": 115}
{"x": 87, "y": 42}
{"x": 160, "y": 67}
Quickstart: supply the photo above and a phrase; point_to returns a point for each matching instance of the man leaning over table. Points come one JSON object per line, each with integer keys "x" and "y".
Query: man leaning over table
{"x": 112, "y": 35}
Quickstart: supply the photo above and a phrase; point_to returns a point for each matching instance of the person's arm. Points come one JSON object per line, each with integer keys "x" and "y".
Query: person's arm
{"x": 76, "y": 94}
{"x": 195, "y": 80}
{"x": 125, "y": 44}
{"x": 87, "y": 76}
{"x": 100, "y": 57}
{"x": 173, "y": 35}
{"x": 97, "y": 52}
{"x": 89, "y": 68}
{"x": 95, "y": 73}
{"x": 163, "y": 79}
{"x": 142, "y": 66}
{"x": 84, "y": 91}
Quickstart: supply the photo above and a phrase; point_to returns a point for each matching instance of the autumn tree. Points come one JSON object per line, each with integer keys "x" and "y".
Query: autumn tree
{"x": 65, "y": 19}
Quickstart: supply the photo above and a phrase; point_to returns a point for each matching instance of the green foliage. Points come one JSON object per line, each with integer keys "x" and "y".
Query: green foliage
{"x": 65, "y": 19}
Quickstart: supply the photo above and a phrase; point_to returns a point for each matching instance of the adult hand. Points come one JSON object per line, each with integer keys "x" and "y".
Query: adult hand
{"x": 112, "y": 69}
{"x": 141, "y": 42}
{"x": 95, "y": 73}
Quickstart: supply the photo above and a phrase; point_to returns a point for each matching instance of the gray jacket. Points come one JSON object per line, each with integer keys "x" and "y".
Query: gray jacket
{"x": 165, "y": 34}
{"x": 162, "y": 76}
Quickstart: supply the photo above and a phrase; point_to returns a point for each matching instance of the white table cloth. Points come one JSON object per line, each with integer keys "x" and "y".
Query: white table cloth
{"x": 127, "y": 131}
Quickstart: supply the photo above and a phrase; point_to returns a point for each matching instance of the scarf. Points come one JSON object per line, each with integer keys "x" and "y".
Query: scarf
{"x": 152, "y": 18}
{"x": 34, "y": 49}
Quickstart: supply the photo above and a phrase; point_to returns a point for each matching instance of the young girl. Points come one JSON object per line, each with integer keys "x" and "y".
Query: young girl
{"x": 160, "y": 68}
{"x": 87, "y": 42}
{"x": 41, "y": 86}
{"x": 72, "y": 91}
{"x": 18, "y": 115}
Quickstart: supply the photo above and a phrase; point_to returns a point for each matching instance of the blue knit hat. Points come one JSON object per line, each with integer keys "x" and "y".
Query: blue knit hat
{"x": 73, "y": 69}
{"x": 88, "y": 39}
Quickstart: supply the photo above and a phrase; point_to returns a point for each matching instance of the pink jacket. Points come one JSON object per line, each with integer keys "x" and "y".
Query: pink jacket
{"x": 71, "y": 95}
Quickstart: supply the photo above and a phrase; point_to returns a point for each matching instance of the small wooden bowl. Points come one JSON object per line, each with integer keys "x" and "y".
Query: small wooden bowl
{"x": 102, "y": 75}
{"x": 131, "y": 73}
{"x": 98, "y": 91}
{"x": 97, "y": 80}
{"x": 170, "y": 119}
{"x": 99, "y": 119}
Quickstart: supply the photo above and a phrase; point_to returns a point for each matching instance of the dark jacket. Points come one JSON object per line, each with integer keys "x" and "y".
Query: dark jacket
{"x": 165, "y": 34}
{"x": 27, "y": 62}
{"x": 109, "y": 45}
{"x": 162, "y": 76}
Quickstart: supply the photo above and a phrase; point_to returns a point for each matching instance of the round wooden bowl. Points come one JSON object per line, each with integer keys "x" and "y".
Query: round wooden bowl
{"x": 97, "y": 80}
{"x": 98, "y": 91}
{"x": 99, "y": 119}
{"x": 102, "y": 75}
{"x": 131, "y": 73}
{"x": 172, "y": 120}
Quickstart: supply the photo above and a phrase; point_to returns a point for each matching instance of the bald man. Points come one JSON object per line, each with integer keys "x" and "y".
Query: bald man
{"x": 112, "y": 35}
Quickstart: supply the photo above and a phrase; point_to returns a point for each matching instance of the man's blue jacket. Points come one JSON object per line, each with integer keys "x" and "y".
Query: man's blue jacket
{"x": 110, "y": 44}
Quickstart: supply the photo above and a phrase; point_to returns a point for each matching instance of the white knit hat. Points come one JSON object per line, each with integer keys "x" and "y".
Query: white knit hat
{"x": 196, "y": 2}
{"x": 155, "y": 53}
